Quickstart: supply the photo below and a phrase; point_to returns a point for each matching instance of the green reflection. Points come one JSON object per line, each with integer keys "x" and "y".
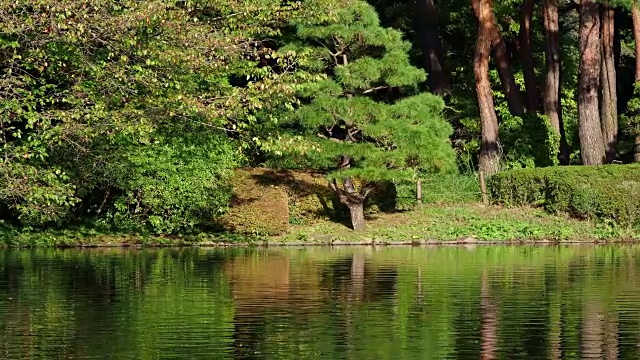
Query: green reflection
{"x": 332, "y": 303}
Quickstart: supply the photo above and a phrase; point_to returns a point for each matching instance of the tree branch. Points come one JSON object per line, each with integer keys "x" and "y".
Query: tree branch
{"x": 375, "y": 89}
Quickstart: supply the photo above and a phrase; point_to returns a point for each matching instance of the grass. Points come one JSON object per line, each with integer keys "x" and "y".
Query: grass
{"x": 451, "y": 222}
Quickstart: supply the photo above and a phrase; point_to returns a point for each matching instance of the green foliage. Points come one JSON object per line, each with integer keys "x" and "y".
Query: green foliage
{"x": 630, "y": 122}
{"x": 100, "y": 103}
{"x": 171, "y": 185}
{"x": 528, "y": 141}
{"x": 359, "y": 110}
{"x": 608, "y": 193}
{"x": 35, "y": 195}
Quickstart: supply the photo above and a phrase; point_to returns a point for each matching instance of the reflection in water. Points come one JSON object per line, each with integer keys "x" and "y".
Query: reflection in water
{"x": 489, "y": 321}
{"x": 351, "y": 303}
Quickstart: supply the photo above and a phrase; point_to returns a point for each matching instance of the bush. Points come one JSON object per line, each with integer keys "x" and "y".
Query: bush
{"x": 610, "y": 192}
{"x": 173, "y": 185}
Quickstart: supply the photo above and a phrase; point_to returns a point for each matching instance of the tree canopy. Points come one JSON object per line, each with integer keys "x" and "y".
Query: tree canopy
{"x": 132, "y": 115}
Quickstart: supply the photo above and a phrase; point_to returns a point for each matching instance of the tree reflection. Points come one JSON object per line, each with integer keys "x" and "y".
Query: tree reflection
{"x": 489, "y": 321}
{"x": 488, "y": 303}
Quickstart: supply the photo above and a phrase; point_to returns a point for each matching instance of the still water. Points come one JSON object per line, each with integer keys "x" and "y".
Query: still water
{"x": 321, "y": 303}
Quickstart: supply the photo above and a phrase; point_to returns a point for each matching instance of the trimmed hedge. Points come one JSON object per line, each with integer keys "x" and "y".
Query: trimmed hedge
{"x": 589, "y": 192}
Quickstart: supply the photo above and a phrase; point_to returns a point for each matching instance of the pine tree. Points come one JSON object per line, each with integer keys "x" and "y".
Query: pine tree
{"x": 357, "y": 120}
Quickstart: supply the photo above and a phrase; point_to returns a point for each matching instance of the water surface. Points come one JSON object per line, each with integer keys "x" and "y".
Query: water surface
{"x": 321, "y": 303}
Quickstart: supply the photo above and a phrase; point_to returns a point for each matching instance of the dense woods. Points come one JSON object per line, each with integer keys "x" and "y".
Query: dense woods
{"x": 132, "y": 115}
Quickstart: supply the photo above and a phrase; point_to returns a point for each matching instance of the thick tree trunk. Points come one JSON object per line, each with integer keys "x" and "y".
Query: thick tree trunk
{"x": 609, "y": 108}
{"x": 427, "y": 24}
{"x": 552, "y": 83}
{"x": 635, "y": 13}
{"x": 530, "y": 83}
{"x": 357, "y": 216}
{"x": 509, "y": 86}
{"x": 489, "y": 158}
{"x": 591, "y": 142}
{"x": 350, "y": 197}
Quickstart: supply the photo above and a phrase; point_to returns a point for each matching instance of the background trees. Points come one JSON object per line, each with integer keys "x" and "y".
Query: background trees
{"x": 131, "y": 111}
{"x": 134, "y": 113}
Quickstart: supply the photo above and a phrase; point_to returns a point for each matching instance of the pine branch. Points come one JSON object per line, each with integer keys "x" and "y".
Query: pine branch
{"x": 368, "y": 91}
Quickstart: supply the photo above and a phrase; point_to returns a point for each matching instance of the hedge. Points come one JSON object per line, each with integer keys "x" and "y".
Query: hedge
{"x": 608, "y": 192}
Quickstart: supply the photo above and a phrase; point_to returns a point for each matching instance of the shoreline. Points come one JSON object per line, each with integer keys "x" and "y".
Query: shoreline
{"x": 314, "y": 244}
{"x": 438, "y": 225}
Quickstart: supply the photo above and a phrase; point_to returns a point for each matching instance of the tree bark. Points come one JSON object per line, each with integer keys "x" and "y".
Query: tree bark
{"x": 357, "y": 216}
{"x": 530, "y": 83}
{"x": 609, "y": 108}
{"x": 552, "y": 84}
{"x": 427, "y": 24}
{"x": 509, "y": 86}
{"x": 635, "y": 14}
{"x": 489, "y": 158}
{"x": 350, "y": 197}
{"x": 590, "y": 132}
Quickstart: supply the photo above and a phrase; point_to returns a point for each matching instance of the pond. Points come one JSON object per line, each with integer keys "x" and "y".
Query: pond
{"x": 494, "y": 302}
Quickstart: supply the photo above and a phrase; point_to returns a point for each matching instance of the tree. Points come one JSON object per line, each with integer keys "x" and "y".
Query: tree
{"x": 510, "y": 88}
{"x": 489, "y": 159}
{"x": 427, "y": 25}
{"x": 591, "y": 141}
{"x": 526, "y": 13}
{"x": 552, "y": 85}
{"x": 609, "y": 107}
{"x": 355, "y": 120}
{"x": 101, "y": 103}
{"x": 635, "y": 13}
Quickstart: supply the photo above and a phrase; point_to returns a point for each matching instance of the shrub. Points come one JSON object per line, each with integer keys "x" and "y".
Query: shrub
{"x": 173, "y": 185}
{"x": 609, "y": 192}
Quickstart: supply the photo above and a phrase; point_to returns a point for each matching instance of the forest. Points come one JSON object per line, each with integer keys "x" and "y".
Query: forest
{"x": 134, "y": 115}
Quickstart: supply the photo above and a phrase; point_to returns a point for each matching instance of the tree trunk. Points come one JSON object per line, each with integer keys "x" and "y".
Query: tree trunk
{"x": 489, "y": 158}
{"x": 528, "y": 67}
{"x": 427, "y": 24}
{"x": 591, "y": 142}
{"x": 552, "y": 83}
{"x": 357, "y": 216}
{"x": 509, "y": 86}
{"x": 350, "y": 197}
{"x": 609, "y": 109}
{"x": 635, "y": 13}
